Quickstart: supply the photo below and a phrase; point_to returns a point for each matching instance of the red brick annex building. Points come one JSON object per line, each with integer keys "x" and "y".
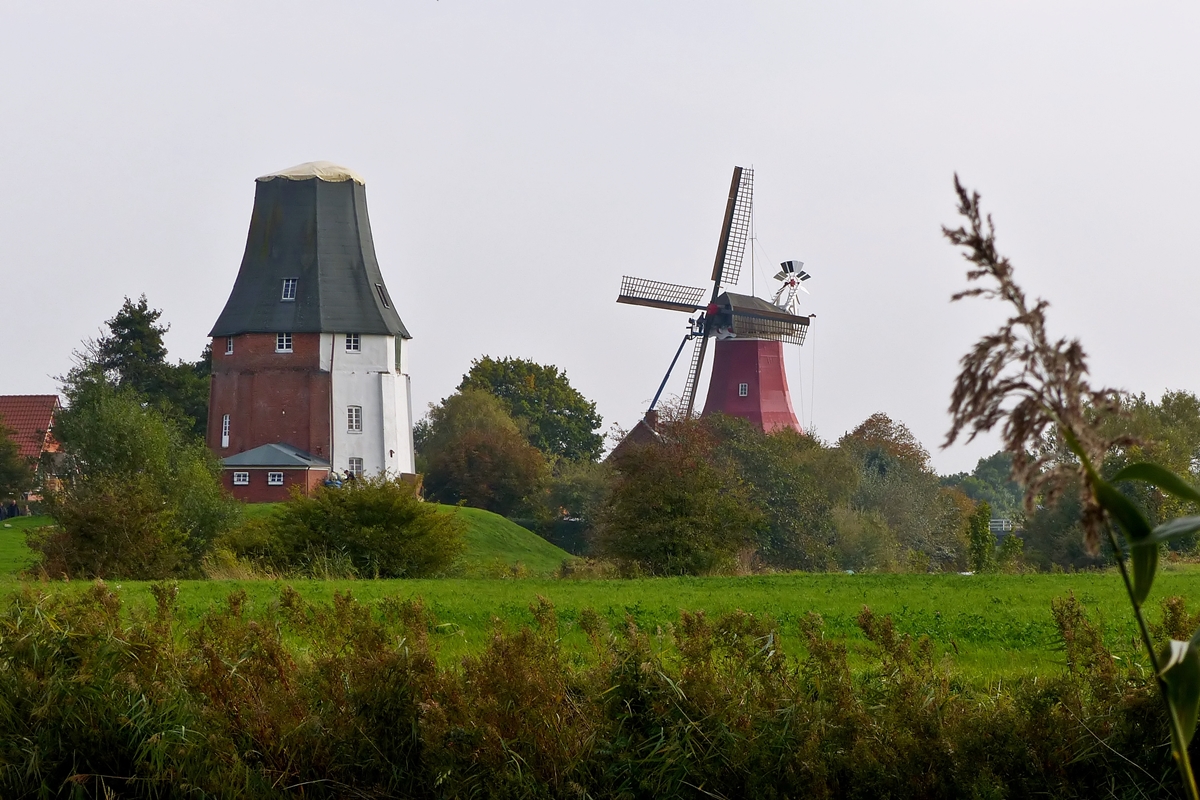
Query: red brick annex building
{"x": 309, "y": 354}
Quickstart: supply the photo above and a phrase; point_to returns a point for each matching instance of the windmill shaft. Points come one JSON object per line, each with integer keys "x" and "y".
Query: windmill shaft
{"x": 670, "y": 369}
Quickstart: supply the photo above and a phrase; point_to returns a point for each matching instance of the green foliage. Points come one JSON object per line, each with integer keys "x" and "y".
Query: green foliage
{"x": 1010, "y": 557}
{"x": 347, "y": 698}
{"x": 796, "y": 482}
{"x": 473, "y": 453}
{"x": 112, "y": 527}
{"x": 579, "y": 489}
{"x": 378, "y": 525}
{"x": 991, "y": 483}
{"x": 557, "y": 419}
{"x": 675, "y": 510}
{"x": 153, "y": 482}
{"x": 983, "y": 541}
{"x": 897, "y": 484}
{"x": 133, "y": 357}
{"x": 864, "y": 542}
{"x": 16, "y": 473}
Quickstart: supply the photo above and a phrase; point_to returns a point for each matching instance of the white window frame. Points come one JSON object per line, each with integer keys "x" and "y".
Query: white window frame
{"x": 283, "y": 343}
{"x": 355, "y": 466}
{"x": 353, "y": 343}
{"x": 289, "y": 290}
{"x": 743, "y": 390}
{"x": 225, "y": 431}
{"x": 228, "y": 345}
{"x": 383, "y": 295}
{"x": 241, "y": 479}
{"x": 274, "y": 479}
{"x": 354, "y": 419}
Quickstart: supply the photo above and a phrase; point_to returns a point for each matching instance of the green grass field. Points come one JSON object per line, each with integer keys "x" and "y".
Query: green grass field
{"x": 990, "y": 626}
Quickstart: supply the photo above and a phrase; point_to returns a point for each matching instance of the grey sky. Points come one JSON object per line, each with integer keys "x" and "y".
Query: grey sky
{"x": 521, "y": 157}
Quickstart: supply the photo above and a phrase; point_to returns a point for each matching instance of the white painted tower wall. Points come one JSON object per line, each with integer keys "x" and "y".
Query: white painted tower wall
{"x": 377, "y": 381}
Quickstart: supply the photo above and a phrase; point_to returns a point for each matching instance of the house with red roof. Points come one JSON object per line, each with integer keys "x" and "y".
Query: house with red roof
{"x": 30, "y": 419}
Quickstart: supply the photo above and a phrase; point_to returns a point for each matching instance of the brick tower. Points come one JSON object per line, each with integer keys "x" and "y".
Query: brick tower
{"x": 749, "y": 381}
{"x": 309, "y": 355}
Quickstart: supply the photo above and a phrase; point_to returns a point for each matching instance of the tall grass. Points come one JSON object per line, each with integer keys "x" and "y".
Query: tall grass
{"x": 350, "y": 699}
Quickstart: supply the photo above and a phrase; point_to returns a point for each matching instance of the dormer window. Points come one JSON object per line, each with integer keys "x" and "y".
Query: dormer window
{"x": 743, "y": 389}
{"x": 283, "y": 343}
{"x": 383, "y": 298}
{"x": 289, "y": 288}
{"x": 353, "y": 343}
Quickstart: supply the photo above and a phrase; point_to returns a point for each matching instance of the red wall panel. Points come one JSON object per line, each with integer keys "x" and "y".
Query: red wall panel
{"x": 270, "y": 397}
{"x": 758, "y": 364}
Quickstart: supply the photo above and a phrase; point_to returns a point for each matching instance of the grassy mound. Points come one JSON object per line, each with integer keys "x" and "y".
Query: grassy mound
{"x": 496, "y": 547}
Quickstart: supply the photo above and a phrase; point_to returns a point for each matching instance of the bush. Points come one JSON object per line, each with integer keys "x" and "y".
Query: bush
{"x": 378, "y": 527}
{"x": 111, "y": 527}
{"x": 141, "y": 497}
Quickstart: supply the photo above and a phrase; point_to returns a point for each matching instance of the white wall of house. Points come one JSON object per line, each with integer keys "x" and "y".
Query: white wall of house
{"x": 377, "y": 381}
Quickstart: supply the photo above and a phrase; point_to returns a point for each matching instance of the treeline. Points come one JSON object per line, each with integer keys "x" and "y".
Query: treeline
{"x": 137, "y": 493}
{"x": 718, "y": 495}
{"x": 351, "y": 700}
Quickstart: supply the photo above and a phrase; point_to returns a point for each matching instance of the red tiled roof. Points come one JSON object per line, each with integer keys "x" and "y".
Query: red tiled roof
{"x": 31, "y": 417}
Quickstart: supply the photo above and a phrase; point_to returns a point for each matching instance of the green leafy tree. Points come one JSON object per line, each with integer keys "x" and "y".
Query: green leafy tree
{"x": 896, "y": 483}
{"x": 133, "y": 356}
{"x": 113, "y": 527}
{"x": 1166, "y": 433}
{"x": 983, "y": 542}
{"x": 133, "y": 351}
{"x": 797, "y": 483}
{"x": 556, "y": 418}
{"x": 378, "y": 523}
{"x": 579, "y": 489}
{"x": 473, "y": 452}
{"x": 991, "y": 482}
{"x": 16, "y": 473}
{"x": 118, "y": 449}
{"x": 674, "y": 509}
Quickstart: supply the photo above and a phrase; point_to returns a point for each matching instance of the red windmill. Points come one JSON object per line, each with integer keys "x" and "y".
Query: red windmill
{"x": 748, "y": 378}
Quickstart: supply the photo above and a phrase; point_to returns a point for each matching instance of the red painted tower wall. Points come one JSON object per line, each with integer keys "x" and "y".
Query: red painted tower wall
{"x": 758, "y": 364}
{"x": 270, "y": 397}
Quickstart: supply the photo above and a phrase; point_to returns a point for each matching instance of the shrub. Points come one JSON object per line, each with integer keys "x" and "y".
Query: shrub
{"x": 134, "y": 483}
{"x": 377, "y": 525}
{"x": 983, "y": 541}
{"x": 111, "y": 527}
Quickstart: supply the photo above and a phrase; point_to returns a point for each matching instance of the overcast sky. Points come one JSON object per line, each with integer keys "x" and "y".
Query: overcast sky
{"x": 521, "y": 157}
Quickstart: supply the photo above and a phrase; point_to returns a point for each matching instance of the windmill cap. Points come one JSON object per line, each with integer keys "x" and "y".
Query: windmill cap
{"x": 323, "y": 170}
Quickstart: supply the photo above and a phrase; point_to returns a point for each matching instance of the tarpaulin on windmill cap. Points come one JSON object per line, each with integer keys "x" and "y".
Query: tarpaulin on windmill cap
{"x": 325, "y": 170}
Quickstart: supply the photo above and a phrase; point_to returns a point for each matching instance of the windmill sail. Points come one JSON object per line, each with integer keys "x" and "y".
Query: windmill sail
{"x": 656, "y": 294}
{"x": 735, "y": 230}
{"x": 693, "y": 378}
